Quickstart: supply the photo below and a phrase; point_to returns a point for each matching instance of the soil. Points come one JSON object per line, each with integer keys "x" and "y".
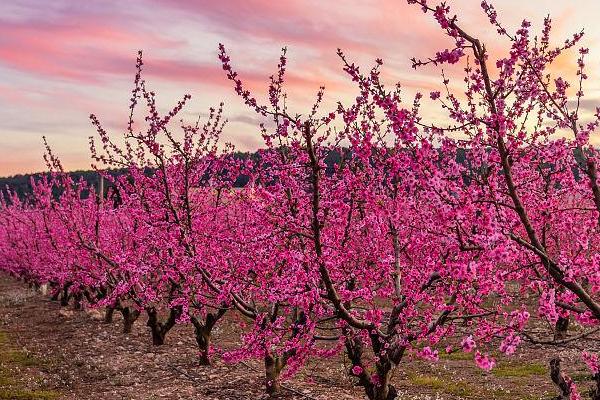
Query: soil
{"x": 49, "y": 352}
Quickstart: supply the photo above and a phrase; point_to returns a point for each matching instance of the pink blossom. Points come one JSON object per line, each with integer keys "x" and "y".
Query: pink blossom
{"x": 592, "y": 361}
{"x": 484, "y": 361}
{"x": 468, "y": 344}
{"x": 357, "y": 370}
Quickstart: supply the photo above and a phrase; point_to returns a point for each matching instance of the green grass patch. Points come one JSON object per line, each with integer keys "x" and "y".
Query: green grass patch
{"x": 5, "y": 378}
{"x": 21, "y": 358}
{"x": 456, "y": 356}
{"x": 432, "y": 382}
{"x": 581, "y": 377}
{"x": 515, "y": 393}
{"x": 459, "y": 388}
{"x": 439, "y": 384}
{"x": 519, "y": 370}
{"x": 11, "y": 387}
{"x": 21, "y": 394}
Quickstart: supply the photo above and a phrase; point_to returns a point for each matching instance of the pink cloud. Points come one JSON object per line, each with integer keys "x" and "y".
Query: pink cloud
{"x": 77, "y": 51}
{"x": 61, "y": 60}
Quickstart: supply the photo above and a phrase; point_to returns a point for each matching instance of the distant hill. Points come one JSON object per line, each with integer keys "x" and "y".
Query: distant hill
{"x": 22, "y": 183}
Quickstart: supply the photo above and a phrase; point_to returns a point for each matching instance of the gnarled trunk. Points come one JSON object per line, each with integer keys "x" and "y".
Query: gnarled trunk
{"x": 273, "y": 367}
{"x": 78, "y": 301}
{"x": 562, "y": 382}
{"x": 383, "y": 390}
{"x": 64, "y": 299}
{"x": 54, "y": 291}
{"x": 160, "y": 329}
{"x": 130, "y": 315}
{"x": 203, "y": 340}
{"x": 203, "y": 333}
{"x": 65, "y": 296}
{"x": 378, "y": 386}
{"x": 561, "y": 327}
{"x": 108, "y": 314}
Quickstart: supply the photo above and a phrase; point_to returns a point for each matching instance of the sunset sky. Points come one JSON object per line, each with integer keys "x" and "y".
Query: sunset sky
{"x": 61, "y": 60}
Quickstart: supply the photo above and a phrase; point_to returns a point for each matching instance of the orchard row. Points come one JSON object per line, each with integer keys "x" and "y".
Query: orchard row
{"x": 365, "y": 229}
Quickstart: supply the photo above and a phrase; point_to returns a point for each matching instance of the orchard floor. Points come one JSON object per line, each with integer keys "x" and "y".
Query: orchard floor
{"x": 51, "y": 353}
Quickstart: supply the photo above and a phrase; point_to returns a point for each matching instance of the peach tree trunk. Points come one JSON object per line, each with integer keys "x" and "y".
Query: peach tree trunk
{"x": 159, "y": 329}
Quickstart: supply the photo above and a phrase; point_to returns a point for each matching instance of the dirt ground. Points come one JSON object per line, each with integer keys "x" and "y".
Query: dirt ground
{"x": 51, "y": 353}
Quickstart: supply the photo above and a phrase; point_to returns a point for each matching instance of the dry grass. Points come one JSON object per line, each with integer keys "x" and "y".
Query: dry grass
{"x": 12, "y": 364}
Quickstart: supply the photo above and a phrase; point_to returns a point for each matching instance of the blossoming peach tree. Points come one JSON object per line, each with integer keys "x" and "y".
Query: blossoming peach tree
{"x": 385, "y": 270}
{"x": 364, "y": 230}
{"x": 531, "y": 171}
